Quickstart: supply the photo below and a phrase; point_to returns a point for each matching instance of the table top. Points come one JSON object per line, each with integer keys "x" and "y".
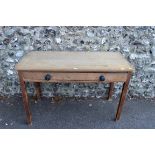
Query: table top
{"x": 66, "y": 61}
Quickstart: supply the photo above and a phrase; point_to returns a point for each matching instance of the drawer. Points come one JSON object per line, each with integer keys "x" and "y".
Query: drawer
{"x": 73, "y": 77}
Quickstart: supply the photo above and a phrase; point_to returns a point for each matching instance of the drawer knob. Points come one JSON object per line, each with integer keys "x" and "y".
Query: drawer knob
{"x": 102, "y": 78}
{"x": 47, "y": 77}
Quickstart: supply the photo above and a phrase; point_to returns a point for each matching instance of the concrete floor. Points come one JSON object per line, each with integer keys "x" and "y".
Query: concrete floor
{"x": 72, "y": 113}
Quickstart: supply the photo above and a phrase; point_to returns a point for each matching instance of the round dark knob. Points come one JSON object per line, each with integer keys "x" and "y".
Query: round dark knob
{"x": 47, "y": 77}
{"x": 102, "y": 78}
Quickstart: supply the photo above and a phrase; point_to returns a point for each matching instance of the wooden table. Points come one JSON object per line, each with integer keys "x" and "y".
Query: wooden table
{"x": 92, "y": 67}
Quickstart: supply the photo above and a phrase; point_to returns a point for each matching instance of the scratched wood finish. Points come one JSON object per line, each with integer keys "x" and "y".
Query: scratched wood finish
{"x": 74, "y": 77}
{"x": 74, "y": 62}
{"x": 74, "y": 67}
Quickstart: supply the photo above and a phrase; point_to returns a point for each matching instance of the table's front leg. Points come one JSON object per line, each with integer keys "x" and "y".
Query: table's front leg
{"x": 25, "y": 99}
{"x": 122, "y": 97}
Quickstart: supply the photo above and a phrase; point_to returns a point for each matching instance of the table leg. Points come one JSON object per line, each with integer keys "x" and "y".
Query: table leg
{"x": 111, "y": 88}
{"x": 37, "y": 90}
{"x": 122, "y": 97}
{"x": 25, "y": 99}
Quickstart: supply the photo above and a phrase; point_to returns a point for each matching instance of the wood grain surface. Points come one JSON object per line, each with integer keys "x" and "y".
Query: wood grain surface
{"x": 38, "y": 76}
{"x": 74, "y": 62}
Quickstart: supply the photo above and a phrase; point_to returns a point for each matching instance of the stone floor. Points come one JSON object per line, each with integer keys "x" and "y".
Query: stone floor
{"x": 71, "y": 113}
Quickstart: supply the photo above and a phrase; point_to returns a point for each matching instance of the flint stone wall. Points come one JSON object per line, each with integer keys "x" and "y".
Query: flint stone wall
{"x": 135, "y": 43}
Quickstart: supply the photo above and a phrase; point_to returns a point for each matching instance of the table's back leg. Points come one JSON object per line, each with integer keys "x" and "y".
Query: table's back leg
{"x": 37, "y": 90}
{"x": 25, "y": 99}
{"x": 111, "y": 88}
{"x": 122, "y": 97}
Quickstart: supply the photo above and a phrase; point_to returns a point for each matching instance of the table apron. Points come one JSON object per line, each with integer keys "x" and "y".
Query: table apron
{"x": 37, "y": 76}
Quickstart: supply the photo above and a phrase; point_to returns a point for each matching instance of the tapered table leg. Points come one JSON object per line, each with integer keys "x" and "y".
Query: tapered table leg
{"x": 111, "y": 88}
{"x": 37, "y": 90}
{"x": 25, "y": 99}
{"x": 122, "y": 97}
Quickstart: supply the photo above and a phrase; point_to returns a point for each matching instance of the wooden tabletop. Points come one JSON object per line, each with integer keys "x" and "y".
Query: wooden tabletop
{"x": 74, "y": 62}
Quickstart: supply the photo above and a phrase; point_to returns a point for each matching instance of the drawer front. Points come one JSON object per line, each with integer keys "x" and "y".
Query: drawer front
{"x": 73, "y": 77}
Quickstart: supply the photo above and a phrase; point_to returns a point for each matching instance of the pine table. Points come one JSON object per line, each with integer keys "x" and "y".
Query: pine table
{"x": 80, "y": 67}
